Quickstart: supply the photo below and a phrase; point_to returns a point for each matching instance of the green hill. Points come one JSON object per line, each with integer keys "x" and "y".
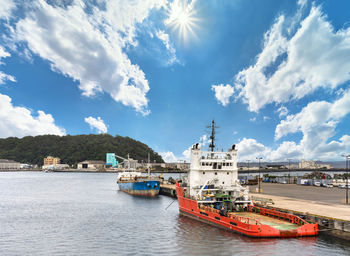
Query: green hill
{"x": 73, "y": 149}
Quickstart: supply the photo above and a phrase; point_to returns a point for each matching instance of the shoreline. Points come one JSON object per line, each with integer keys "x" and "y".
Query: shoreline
{"x": 82, "y": 171}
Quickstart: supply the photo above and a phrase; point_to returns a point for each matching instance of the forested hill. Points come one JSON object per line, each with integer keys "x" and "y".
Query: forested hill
{"x": 73, "y": 149}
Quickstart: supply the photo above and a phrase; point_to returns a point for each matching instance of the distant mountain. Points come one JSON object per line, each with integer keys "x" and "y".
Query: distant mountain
{"x": 73, "y": 149}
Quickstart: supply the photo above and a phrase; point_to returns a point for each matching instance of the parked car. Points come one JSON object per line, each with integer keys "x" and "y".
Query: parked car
{"x": 317, "y": 183}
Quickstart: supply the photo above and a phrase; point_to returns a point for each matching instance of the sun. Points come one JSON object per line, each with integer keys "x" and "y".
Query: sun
{"x": 182, "y": 18}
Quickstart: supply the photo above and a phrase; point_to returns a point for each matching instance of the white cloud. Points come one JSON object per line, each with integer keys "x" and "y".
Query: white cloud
{"x": 282, "y": 111}
{"x": 90, "y": 47}
{"x": 317, "y": 122}
{"x": 223, "y": 93}
{"x": 187, "y": 154}
{"x": 164, "y": 37}
{"x": 168, "y": 157}
{"x": 97, "y": 124}
{"x": 315, "y": 56}
{"x": 250, "y": 149}
{"x": 253, "y": 119}
{"x": 203, "y": 141}
{"x": 19, "y": 121}
{"x": 6, "y": 8}
{"x": 266, "y": 118}
{"x": 4, "y": 77}
{"x": 315, "y": 114}
{"x": 288, "y": 149}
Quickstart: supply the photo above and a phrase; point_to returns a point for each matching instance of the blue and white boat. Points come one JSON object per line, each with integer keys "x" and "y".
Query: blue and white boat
{"x": 134, "y": 183}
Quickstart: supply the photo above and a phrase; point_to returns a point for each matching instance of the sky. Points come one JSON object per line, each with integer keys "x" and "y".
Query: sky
{"x": 273, "y": 74}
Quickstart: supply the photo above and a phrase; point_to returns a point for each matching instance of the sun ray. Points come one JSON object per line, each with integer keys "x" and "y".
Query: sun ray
{"x": 182, "y": 19}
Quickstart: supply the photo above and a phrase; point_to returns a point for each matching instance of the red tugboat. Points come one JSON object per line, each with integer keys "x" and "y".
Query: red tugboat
{"x": 213, "y": 194}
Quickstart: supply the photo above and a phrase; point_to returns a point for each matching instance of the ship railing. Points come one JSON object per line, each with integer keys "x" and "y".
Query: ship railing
{"x": 241, "y": 219}
{"x": 209, "y": 209}
{"x": 278, "y": 215}
{"x": 245, "y": 220}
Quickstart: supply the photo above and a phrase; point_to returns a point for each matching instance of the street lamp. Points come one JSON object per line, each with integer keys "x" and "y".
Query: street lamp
{"x": 248, "y": 164}
{"x": 259, "y": 158}
{"x": 347, "y": 178}
{"x": 289, "y": 159}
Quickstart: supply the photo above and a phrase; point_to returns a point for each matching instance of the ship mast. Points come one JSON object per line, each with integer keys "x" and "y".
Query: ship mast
{"x": 148, "y": 165}
{"x": 212, "y": 136}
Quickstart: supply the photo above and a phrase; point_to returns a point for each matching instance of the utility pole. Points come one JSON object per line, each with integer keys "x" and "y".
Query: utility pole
{"x": 289, "y": 159}
{"x": 248, "y": 164}
{"x": 259, "y": 158}
{"x": 347, "y": 176}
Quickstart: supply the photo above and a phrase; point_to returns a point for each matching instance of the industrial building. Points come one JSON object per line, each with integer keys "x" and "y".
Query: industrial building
{"x": 9, "y": 165}
{"x": 92, "y": 165}
{"x": 304, "y": 164}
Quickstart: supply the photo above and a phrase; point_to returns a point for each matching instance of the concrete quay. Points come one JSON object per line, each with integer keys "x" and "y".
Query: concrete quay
{"x": 168, "y": 190}
{"x": 321, "y": 205}
{"x": 334, "y": 219}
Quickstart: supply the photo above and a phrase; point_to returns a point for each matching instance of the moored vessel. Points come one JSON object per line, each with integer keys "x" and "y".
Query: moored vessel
{"x": 135, "y": 183}
{"x": 213, "y": 194}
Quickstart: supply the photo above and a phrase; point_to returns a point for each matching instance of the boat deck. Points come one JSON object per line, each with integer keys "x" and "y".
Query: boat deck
{"x": 265, "y": 220}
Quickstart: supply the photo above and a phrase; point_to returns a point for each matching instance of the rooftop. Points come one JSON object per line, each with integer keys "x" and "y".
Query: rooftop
{"x": 8, "y": 161}
{"x": 92, "y": 162}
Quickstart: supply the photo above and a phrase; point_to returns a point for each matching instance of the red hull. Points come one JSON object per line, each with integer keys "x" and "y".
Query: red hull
{"x": 244, "y": 225}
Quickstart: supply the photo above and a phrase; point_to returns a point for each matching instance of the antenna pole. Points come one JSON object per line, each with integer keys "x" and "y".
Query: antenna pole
{"x": 149, "y": 170}
{"x": 212, "y": 136}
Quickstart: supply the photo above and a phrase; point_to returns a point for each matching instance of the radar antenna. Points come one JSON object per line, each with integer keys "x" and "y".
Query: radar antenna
{"x": 212, "y": 136}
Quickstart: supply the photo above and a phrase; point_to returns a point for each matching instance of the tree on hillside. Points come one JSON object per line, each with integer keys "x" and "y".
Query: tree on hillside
{"x": 73, "y": 149}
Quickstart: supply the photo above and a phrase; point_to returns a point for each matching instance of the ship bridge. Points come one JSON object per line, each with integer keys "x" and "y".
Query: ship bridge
{"x": 218, "y": 167}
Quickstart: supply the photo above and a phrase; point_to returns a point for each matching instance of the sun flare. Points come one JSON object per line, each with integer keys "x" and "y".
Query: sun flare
{"x": 181, "y": 17}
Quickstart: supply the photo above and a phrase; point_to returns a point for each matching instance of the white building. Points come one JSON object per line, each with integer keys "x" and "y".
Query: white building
{"x": 9, "y": 165}
{"x": 55, "y": 167}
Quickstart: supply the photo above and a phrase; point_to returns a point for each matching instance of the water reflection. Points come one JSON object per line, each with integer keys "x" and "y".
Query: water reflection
{"x": 85, "y": 214}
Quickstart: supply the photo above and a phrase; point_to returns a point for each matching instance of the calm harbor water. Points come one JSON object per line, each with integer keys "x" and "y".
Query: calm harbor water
{"x": 85, "y": 214}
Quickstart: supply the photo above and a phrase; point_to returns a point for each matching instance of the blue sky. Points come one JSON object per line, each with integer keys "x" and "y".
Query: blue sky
{"x": 274, "y": 75}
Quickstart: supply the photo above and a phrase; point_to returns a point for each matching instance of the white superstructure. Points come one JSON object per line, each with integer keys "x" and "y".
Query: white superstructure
{"x": 213, "y": 171}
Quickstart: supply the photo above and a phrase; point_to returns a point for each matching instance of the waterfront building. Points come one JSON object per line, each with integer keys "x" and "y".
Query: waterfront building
{"x": 6, "y": 164}
{"x": 50, "y": 160}
{"x": 91, "y": 165}
{"x": 304, "y": 164}
{"x": 55, "y": 167}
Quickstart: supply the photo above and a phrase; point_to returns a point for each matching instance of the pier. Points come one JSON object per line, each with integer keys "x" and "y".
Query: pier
{"x": 168, "y": 190}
